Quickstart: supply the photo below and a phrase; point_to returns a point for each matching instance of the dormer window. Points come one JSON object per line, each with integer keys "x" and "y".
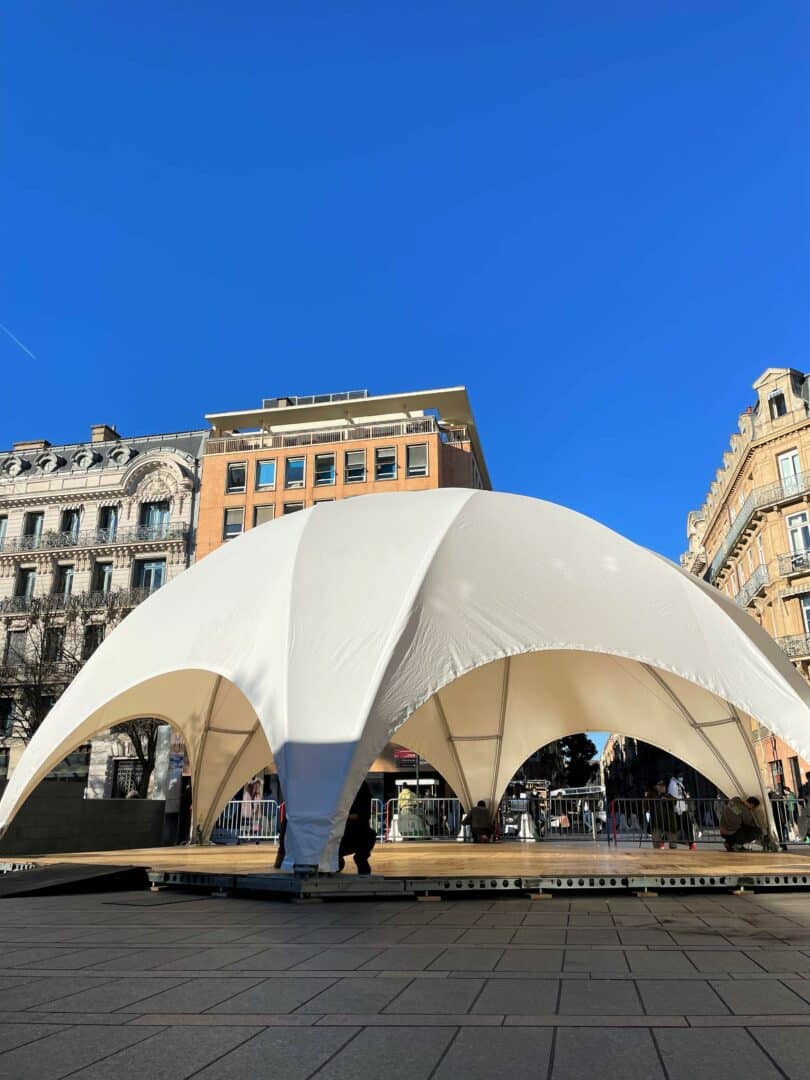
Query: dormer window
{"x": 777, "y": 404}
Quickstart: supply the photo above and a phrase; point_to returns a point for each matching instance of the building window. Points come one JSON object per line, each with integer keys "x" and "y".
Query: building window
{"x": 236, "y": 478}
{"x": 32, "y": 529}
{"x": 417, "y": 459}
{"x": 102, "y": 577}
{"x": 71, "y": 522}
{"x": 53, "y": 644}
{"x": 355, "y": 470}
{"x": 63, "y": 584}
{"x": 385, "y": 463}
{"x": 798, "y": 527}
{"x": 3, "y": 531}
{"x": 26, "y": 582}
{"x": 154, "y": 520}
{"x": 294, "y": 472}
{"x": 319, "y": 501}
{"x": 261, "y": 514}
{"x": 790, "y": 472}
{"x": 233, "y": 523}
{"x": 760, "y": 550}
{"x": 150, "y": 574}
{"x": 4, "y": 756}
{"x": 93, "y": 637}
{"x": 777, "y": 774}
{"x": 265, "y": 474}
{"x": 107, "y": 522}
{"x": 6, "y": 717}
{"x": 293, "y": 507}
{"x": 324, "y": 469}
{"x": 76, "y": 766}
{"x": 777, "y": 404}
{"x": 15, "y": 648}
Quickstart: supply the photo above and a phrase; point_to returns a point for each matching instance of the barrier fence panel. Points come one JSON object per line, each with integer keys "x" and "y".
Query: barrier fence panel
{"x": 665, "y": 821}
{"x": 378, "y": 818}
{"x": 422, "y": 819}
{"x": 244, "y": 821}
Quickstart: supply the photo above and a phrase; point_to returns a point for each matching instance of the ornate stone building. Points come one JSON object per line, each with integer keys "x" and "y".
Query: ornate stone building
{"x": 86, "y": 532}
{"x": 751, "y": 536}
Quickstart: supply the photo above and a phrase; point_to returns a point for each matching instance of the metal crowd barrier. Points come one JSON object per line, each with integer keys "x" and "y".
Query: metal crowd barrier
{"x": 242, "y": 821}
{"x": 422, "y": 819}
{"x": 658, "y": 821}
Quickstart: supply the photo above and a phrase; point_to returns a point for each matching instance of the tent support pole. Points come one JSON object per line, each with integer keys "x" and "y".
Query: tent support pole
{"x": 682, "y": 709}
{"x": 465, "y": 792}
{"x": 199, "y": 757}
{"x": 507, "y": 668}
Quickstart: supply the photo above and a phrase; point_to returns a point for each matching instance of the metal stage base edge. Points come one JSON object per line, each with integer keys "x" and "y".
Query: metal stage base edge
{"x": 327, "y": 885}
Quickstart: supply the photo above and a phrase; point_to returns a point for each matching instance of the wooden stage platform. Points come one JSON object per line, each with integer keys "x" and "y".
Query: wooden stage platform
{"x": 414, "y": 867}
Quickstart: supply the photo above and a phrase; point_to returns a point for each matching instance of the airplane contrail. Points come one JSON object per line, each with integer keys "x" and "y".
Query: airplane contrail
{"x": 17, "y": 341}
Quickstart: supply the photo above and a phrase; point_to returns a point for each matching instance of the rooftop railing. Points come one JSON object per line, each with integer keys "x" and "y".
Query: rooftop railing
{"x": 766, "y": 495}
{"x": 426, "y": 425}
{"x": 53, "y": 541}
{"x": 757, "y": 581}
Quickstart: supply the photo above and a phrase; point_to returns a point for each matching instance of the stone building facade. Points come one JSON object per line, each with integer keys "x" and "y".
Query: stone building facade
{"x": 751, "y": 536}
{"x": 87, "y": 531}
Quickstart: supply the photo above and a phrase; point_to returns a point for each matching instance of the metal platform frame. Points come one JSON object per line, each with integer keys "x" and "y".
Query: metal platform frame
{"x": 333, "y": 885}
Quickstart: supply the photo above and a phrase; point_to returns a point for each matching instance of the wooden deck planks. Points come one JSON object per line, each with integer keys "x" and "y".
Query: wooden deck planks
{"x": 414, "y": 859}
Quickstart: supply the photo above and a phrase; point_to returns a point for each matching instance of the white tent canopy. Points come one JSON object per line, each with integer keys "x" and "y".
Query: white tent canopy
{"x": 474, "y": 626}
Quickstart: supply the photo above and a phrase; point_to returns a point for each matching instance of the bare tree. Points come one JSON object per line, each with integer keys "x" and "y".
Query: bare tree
{"x": 143, "y": 735}
{"x": 40, "y": 663}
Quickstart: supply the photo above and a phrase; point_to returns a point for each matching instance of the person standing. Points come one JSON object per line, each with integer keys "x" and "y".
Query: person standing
{"x": 358, "y": 837}
{"x": 804, "y": 814}
{"x": 683, "y": 817}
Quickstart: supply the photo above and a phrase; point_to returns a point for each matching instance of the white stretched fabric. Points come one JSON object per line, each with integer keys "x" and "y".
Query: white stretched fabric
{"x": 473, "y": 626}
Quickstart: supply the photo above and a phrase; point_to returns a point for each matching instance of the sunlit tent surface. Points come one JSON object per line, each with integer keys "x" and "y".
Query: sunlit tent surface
{"x": 473, "y": 626}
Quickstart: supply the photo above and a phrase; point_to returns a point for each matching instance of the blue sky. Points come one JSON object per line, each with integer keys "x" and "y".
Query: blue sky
{"x": 595, "y": 215}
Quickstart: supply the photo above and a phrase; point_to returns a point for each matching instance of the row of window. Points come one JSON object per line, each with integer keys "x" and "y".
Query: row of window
{"x": 233, "y": 522}
{"x": 146, "y": 574}
{"x": 355, "y": 470}
{"x": 153, "y": 515}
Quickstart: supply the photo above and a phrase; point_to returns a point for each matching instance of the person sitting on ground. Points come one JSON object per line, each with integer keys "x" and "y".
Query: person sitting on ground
{"x": 480, "y": 823}
{"x": 358, "y": 837}
{"x": 739, "y": 825}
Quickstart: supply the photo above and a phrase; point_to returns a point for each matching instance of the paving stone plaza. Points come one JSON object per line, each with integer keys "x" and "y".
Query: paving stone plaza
{"x": 173, "y": 985}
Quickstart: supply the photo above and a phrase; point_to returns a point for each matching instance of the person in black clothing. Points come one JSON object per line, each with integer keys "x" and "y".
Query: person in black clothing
{"x": 358, "y": 837}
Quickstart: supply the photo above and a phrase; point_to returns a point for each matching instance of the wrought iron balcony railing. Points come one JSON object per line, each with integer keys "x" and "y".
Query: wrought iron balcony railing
{"x": 767, "y": 495}
{"x": 757, "y": 581}
{"x": 797, "y": 562}
{"x": 17, "y": 670}
{"x": 52, "y": 541}
{"x": 114, "y": 599}
{"x": 796, "y": 646}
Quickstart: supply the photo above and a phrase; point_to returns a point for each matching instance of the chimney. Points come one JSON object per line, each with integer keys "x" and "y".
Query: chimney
{"x": 31, "y": 444}
{"x": 103, "y": 433}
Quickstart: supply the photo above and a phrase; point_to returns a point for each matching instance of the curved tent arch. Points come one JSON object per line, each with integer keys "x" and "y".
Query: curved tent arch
{"x": 335, "y": 624}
